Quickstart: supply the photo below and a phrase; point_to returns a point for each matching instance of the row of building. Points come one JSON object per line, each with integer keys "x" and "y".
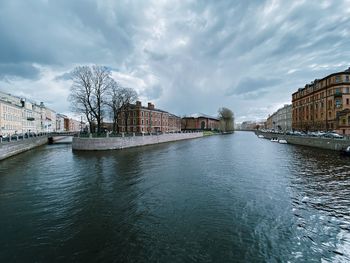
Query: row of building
{"x": 19, "y": 115}
{"x": 281, "y": 120}
{"x": 322, "y": 105}
{"x": 141, "y": 119}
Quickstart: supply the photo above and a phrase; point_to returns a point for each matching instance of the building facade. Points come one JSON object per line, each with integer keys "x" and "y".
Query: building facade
{"x": 60, "y": 125}
{"x": 19, "y": 116}
{"x": 251, "y": 125}
{"x": 140, "y": 119}
{"x": 10, "y": 118}
{"x": 281, "y": 120}
{"x": 72, "y": 125}
{"x": 324, "y": 104}
{"x": 200, "y": 121}
{"x": 48, "y": 119}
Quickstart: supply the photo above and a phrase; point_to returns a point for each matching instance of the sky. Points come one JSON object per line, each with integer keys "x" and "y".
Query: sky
{"x": 184, "y": 56}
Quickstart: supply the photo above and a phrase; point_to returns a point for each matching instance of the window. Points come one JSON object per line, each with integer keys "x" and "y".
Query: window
{"x": 337, "y": 103}
{"x": 347, "y": 78}
{"x": 142, "y": 113}
{"x": 347, "y": 101}
{"x": 337, "y": 79}
{"x": 142, "y": 122}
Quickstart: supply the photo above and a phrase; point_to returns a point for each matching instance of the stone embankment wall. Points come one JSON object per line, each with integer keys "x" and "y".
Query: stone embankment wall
{"x": 8, "y": 149}
{"x": 112, "y": 143}
{"x": 323, "y": 143}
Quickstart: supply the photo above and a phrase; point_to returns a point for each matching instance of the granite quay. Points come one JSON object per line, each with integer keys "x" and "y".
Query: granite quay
{"x": 120, "y": 142}
{"x": 18, "y": 145}
{"x": 317, "y": 142}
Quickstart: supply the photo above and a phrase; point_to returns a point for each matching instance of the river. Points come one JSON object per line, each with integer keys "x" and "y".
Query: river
{"x": 231, "y": 198}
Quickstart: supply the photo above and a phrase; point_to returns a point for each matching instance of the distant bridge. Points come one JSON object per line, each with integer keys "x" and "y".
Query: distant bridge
{"x": 54, "y": 134}
{"x": 61, "y": 137}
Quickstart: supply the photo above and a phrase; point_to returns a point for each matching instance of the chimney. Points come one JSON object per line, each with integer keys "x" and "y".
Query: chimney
{"x": 150, "y": 106}
{"x": 138, "y": 103}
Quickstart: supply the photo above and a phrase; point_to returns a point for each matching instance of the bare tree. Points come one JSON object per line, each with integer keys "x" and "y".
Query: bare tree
{"x": 226, "y": 119}
{"x": 88, "y": 92}
{"x": 115, "y": 103}
{"x": 128, "y": 96}
{"x": 119, "y": 100}
{"x": 184, "y": 122}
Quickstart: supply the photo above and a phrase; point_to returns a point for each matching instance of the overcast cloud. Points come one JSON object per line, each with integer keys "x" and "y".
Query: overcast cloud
{"x": 185, "y": 56}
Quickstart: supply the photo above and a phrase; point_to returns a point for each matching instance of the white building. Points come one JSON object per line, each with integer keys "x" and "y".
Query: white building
{"x": 19, "y": 115}
{"x": 281, "y": 119}
{"x": 48, "y": 119}
{"x": 60, "y": 120}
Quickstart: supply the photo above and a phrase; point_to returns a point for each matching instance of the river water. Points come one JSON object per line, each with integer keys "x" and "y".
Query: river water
{"x": 232, "y": 198}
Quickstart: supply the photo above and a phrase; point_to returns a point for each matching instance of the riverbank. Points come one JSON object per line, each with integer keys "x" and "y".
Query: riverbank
{"x": 8, "y": 149}
{"x": 317, "y": 142}
{"x": 117, "y": 143}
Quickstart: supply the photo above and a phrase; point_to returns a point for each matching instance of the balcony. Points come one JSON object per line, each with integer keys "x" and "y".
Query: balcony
{"x": 30, "y": 119}
{"x": 338, "y": 94}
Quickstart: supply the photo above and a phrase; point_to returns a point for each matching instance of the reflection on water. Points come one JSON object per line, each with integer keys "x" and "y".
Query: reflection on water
{"x": 222, "y": 198}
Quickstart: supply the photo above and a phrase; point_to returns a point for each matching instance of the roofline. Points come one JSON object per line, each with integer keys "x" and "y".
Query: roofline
{"x": 10, "y": 103}
{"x": 204, "y": 117}
{"x": 328, "y": 76}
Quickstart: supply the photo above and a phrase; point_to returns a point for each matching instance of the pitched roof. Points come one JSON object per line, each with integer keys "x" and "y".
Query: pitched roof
{"x": 201, "y": 115}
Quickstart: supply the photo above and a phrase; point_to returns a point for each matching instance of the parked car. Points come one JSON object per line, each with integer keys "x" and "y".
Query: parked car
{"x": 299, "y": 133}
{"x": 320, "y": 133}
{"x": 312, "y": 134}
{"x": 333, "y": 135}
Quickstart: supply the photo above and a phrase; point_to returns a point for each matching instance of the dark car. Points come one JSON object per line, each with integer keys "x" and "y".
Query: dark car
{"x": 333, "y": 135}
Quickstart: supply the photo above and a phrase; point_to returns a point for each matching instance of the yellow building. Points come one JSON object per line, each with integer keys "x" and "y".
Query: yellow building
{"x": 10, "y": 118}
{"x": 324, "y": 104}
{"x": 18, "y": 115}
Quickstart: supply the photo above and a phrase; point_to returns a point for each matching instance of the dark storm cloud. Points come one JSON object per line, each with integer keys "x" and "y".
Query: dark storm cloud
{"x": 189, "y": 56}
{"x": 154, "y": 55}
{"x": 251, "y": 85}
{"x": 153, "y": 93}
{"x": 62, "y": 32}
{"x": 13, "y": 70}
{"x": 64, "y": 76}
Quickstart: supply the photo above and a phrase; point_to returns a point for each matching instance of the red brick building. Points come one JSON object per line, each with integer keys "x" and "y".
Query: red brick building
{"x": 200, "y": 121}
{"x": 137, "y": 118}
{"x": 324, "y": 104}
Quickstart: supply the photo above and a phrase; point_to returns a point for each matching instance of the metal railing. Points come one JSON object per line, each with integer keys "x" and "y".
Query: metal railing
{"x": 128, "y": 134}
{"x": 21, "y": 137}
